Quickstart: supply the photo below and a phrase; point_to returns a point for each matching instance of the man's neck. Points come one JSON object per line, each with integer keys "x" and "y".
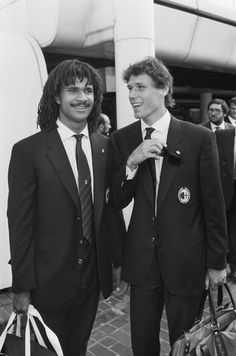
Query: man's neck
{"x": 150, "y": 120}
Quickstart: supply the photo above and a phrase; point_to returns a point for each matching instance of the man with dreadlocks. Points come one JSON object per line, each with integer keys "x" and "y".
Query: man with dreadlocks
{"x": 60, "y": 250}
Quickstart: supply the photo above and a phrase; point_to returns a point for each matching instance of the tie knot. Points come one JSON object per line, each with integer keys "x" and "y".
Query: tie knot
{"x": 149, "y": 131}
{"x": 78, "y": 137}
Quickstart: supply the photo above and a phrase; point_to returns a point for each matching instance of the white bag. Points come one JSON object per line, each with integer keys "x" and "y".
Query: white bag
{"x": 32, "y": 313}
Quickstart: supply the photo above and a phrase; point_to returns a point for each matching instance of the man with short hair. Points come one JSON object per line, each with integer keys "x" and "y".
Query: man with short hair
{"x": 104, "y": 125}
{"x": 231, "y": 117}
{"x": 176, "y": 240}
{"x": 60, "y": 224}
{"x": 217, "y": 110}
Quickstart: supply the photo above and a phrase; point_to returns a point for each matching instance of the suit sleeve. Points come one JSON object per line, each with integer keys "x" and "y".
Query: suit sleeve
{"x": 21, "y": 219}
{"x": 213, "y": 205}
{"x": 122, "y": 189}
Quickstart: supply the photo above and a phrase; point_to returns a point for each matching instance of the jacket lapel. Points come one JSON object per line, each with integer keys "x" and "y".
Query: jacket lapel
{"x": 99, "y": 156}
{"x": 171, "y": 161}
{"x": 58, "y": 157}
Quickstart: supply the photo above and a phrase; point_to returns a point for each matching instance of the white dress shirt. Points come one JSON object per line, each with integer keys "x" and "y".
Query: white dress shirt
{"x": 69, "y": 143}
{"x": 218, "y": 127}
{"x": 161, "y": 128}
{"x": 160, "y": 132}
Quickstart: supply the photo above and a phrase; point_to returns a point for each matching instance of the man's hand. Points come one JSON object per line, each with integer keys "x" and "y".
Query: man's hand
{"x": 215, "y": 277}
{"x": 151, "y": 148}
{"x": 21, "y": 302}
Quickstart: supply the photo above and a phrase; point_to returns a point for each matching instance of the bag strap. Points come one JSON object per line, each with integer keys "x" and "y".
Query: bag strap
{"x": 219, "y": 303}
{"x": 212, "y": 311}
{"x": 52, "y": 337}
{"x": 16, "y": 329}
{"x": 220, "y": 290}
{"x": 4, "y": 333}
{"x": 36, "y": 331}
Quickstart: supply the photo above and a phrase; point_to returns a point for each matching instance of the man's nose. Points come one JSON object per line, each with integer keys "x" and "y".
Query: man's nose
{"x": 81, "y": 95}
{"x": 133, "y": 93}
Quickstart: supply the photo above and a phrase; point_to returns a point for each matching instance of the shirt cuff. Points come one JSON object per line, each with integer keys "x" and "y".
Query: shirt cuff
{"x": 130, "y": 174}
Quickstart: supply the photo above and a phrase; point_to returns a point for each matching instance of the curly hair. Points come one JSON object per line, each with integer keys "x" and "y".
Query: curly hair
{"x": 62, "y": 75}
{"x": 157, "y": 71}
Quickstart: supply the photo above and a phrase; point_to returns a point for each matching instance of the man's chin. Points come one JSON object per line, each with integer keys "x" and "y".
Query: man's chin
{"x": 137, "y": 116}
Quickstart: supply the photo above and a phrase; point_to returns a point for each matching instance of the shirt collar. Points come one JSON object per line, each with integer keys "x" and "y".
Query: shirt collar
{"x": 66, "y": 133}
{"x": 222, "y": 125}
{"x": 161, "y": 125}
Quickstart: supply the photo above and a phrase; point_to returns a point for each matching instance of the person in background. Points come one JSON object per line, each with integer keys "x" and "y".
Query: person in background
{"x": 104, "y": 125}
{"x": 227, "y": 155}
{"x": 217, "y": 110}
{"x": 176, "y": 240}
{"x": 231, "y": 117}
{"x": 59, "y": 222}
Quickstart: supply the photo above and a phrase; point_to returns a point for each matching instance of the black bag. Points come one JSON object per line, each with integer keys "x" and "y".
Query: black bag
{"x": 13, "y": 344}
{"x": 214, "y": 335}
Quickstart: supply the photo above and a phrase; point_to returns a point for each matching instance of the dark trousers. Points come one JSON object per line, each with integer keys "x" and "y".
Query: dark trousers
{"x": 231, "y": 222}
{"x": 73, "y": 326}
{"x": 146, "y": 307}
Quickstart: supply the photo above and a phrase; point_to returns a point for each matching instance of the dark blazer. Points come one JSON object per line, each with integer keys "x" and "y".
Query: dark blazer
{"x": 225, "y": 143}
{"x": 190, "y": 236}
{"x": 228, "y": 120}
{"x": 207, "y": 124}
{"x": 45, "y": 219}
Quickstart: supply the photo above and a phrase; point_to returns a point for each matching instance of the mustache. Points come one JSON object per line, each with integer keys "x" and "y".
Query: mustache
{"x": 81, "y": 102}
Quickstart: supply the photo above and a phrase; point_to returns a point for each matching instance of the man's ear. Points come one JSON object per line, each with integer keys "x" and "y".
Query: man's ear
{"x": 101, "y": 127}
{"x": 57, "y": 100}
{"x": 164, "y": 91}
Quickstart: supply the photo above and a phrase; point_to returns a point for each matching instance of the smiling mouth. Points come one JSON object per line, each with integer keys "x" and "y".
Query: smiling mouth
{"x": 80, "y": 107}
{"x": 136, "y": 105}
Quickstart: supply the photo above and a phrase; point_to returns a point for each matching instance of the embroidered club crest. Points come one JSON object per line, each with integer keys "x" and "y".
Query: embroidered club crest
{"x": 184, "y": 195}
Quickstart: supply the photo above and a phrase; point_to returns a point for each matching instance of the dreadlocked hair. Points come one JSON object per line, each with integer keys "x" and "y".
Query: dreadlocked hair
{"x": 65, "y": 74}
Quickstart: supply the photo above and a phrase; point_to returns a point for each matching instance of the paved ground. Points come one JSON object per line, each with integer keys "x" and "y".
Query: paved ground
{"x": 111, "y": 332}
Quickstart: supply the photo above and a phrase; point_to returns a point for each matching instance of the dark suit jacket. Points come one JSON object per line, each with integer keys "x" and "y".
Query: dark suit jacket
{"x": 44, "y": 219}
{"x": 228, "y": 120}
{"x": 208, "y": 125}
{"x": 189, "y": 237}
{"x": 225, "y": 143}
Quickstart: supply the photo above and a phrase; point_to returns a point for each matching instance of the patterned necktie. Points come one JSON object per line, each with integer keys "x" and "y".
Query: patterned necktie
{"x": 84, "y": 190}
{"x": 151, "y": 161}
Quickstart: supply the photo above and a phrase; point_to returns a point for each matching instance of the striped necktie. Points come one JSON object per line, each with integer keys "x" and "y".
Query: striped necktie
{"x": 151, "y": 161}
{"x": 85, "y": 192}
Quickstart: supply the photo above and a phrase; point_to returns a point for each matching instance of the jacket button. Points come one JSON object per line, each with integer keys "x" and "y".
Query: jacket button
{"x": 78, "y": 218}
{"x": 80, "y": 261}
{"x": 81, "y": 242}
{"x": 152, "y": 239}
